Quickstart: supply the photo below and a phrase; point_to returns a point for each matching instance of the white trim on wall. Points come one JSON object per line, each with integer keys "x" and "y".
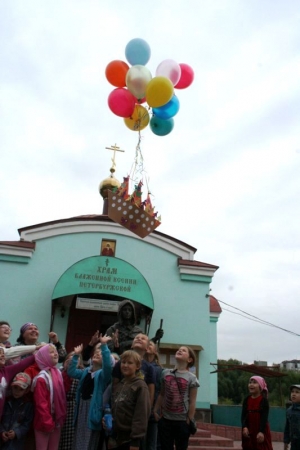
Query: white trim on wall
{"x": 56, "y": 229}
{"x": 196, "y": 270}
{"x": 16, "y": 251}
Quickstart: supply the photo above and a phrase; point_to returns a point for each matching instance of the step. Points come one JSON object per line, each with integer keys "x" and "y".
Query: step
{"x": 213, "y": 441}
{"x": 203, "y": 433}
{"x": 200, "y": 447}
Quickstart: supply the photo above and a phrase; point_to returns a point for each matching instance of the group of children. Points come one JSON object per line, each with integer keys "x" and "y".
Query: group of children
{"x": 151, "y": 408}
{"x": 34, "y": 395}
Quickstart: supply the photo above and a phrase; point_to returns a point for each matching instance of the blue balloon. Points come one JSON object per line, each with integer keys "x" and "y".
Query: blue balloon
{"x": 168, "y": 110}
{"x": 161, "y": 127}
{"x": 137, "y": 51}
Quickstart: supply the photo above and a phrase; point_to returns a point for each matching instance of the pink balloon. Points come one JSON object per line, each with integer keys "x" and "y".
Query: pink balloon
{"x": 121, "y": 102}
{"x": 186, "y": 78}
{"x": 169, "y": 69}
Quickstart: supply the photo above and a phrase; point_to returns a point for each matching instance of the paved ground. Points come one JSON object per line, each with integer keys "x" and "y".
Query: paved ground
{"x": 276, "y": 445}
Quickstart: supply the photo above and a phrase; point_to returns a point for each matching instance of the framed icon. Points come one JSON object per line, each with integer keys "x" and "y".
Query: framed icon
{"x": 108, "y": 248}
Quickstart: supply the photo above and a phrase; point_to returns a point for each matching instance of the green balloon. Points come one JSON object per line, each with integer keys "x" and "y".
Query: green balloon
{"x": 161, "y": 127}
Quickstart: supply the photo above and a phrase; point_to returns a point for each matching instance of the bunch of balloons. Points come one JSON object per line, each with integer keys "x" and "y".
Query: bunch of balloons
{"x": 135, "y": 86}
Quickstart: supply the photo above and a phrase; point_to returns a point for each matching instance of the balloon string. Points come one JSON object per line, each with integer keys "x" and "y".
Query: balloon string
{"x": 138, "y": 172}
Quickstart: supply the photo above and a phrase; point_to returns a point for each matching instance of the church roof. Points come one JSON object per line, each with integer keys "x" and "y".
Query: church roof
{"x": 23, "y": 244}
{"x": 100, "y": 218}
{"x": 214, "y": 305}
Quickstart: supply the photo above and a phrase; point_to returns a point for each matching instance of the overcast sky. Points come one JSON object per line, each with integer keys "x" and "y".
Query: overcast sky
{"x": 226, "y": 180}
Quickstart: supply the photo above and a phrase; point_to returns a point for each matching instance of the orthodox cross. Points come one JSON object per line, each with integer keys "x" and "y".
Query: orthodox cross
{"x": 115, "y": 149}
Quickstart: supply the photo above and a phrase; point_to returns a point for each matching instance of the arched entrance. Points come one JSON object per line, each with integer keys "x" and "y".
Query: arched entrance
{"x": 89, "y": 291}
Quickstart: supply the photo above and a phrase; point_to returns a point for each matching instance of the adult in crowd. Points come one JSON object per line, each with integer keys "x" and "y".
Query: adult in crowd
{"x": 29, "y": 335}
{"x": 13, "y": 352}
{"x": 5, "y": 331}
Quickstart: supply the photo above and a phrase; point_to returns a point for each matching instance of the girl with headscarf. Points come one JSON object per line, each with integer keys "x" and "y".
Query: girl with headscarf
{"x": 49, "y": 400}
{"x": 256, "y": 434}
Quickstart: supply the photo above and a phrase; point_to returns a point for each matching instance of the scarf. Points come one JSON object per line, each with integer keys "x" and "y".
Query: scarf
{"x": 56, "y": 385}
{"x": 262, "y": 383}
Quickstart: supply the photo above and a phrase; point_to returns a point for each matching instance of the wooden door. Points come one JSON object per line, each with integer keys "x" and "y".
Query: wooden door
{"x": 83, "y": 323}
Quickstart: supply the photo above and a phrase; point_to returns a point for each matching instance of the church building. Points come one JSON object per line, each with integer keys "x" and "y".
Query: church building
{"x": 69, "y": 275}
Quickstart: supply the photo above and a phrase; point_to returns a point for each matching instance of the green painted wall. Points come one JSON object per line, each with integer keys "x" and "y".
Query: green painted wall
{"x": 27, "y": 289}
{"x": 231, "y": 415}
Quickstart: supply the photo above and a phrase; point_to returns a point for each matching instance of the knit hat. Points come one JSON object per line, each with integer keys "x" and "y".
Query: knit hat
{"x": 22, "y": 379}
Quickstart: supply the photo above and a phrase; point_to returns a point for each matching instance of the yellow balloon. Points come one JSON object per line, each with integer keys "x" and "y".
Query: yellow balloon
{"x": 138, "y": 120}
{"x": 159, "y": 91}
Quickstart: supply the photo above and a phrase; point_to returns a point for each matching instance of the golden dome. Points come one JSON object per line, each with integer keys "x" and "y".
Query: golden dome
{"x": 108, "y": 183}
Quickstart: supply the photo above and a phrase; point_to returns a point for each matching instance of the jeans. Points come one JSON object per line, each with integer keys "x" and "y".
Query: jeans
{"x": 151, "y": 436}
{"x": 173, "y": 432}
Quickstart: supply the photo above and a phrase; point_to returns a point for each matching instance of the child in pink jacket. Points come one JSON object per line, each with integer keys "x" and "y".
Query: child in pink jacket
{"x": 49, "y": 400}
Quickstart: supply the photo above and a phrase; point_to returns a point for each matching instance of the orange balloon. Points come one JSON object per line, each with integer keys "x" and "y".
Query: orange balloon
{"x": 138, "y": 120}
{"x": 116, "y": 71}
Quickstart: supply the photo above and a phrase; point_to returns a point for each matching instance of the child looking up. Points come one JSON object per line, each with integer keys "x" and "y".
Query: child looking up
{"x": 130, "y": 405}
{"x": 89, "y": 404}
{"x": 17, "y": 414}
{"x": 292, "y": 425}
{"x": 255, "y": 427}
{"x": 49, "y": 399}
{"x": 177, "y": 401}
{"x": 153, "y": 358}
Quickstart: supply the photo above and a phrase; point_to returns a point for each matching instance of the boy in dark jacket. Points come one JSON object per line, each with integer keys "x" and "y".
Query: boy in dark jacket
{"x": 130, "y": 405}
{"x": 17, "y": 415}
{"x": 292, "y": 425}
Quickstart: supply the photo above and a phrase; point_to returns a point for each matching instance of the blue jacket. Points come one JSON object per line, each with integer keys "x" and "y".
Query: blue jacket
{"x": 17, "y": 416}
{"x": 101, "y": 380}
{"x": 292, "y": 425}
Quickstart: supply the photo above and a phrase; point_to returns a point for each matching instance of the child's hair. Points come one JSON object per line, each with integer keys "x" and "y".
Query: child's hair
{"x": 156, "y": 354}
{"x": 191, "y": 355}
{"x": 3, "y": 322}
{"x": 115, "y": 356}
{"x": 141, "y": 334}
{"x": 131, "y": 354}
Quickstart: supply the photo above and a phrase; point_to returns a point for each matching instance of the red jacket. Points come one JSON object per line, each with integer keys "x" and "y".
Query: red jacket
{"x": 43, "y": 420}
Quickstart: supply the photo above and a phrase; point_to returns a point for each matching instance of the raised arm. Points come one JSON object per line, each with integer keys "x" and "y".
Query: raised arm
{"x": 72, "y": 371}
{"x": 106, "y": 361}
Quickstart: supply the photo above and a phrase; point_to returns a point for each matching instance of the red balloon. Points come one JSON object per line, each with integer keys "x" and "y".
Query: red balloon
{"x": 116, "y": 71}
{"x": 121, "y": 102}
{"x": 186, "y": 78}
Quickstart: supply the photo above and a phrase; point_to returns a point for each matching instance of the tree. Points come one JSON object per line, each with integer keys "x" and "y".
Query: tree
{"x": 233, "y": 385}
